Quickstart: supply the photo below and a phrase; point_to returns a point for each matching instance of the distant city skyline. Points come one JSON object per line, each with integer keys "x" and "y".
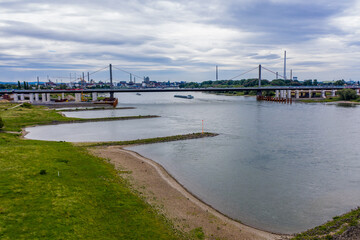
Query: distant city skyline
{"x": 179, "y": 41}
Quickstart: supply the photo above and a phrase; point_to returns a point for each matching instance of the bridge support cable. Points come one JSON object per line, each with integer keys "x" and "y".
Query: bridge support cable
{"x": 98, "y": 70}
{"x": 127, "y": 72}
{"x": 243, "y": 73}
{"x": 276, "y": 74}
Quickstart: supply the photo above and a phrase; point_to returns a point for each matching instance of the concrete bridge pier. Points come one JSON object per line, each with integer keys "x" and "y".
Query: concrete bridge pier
{"x": 310, "y": 94}
{"x": 277, "y": 93}
{"x": 15, "y": 97}
{"x": 77, "y": 97}
{"x": 94, "y": 96}
{"x": 333, "y": 93}
{"x": 48, "y": 97}
{"x": 43, "y": 97}
{"x": 288, "y": 94}
{"x": 22, "y": 97}
{"x": 323, "y": 93}
{"x": 36, "y": 97}
{"x": 31, "y": 97}
{"x": 358, "y": 92}
{"x": 297, "y": 93}
{"x": 62, "y": 95}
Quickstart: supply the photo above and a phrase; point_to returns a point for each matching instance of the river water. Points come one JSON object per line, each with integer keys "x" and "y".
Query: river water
{"x": 278, "y": 167}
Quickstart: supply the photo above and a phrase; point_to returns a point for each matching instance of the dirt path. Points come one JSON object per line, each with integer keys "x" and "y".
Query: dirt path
{"x": 163, "y": 192}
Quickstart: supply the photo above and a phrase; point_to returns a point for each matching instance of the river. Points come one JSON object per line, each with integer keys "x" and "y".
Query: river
{"x": 278, "y": 167}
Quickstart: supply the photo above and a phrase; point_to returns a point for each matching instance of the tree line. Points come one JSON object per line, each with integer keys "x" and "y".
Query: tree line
{"x": 253, "y": 82}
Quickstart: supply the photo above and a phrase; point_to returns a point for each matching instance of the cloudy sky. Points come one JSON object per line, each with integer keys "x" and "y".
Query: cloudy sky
{"x": 179, "y": 40}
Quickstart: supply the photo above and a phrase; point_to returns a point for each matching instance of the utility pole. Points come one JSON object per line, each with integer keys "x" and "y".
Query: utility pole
{"x": 83, "y": 80}
{"x": 38, "y": 84}
{"x": 111, "y": 82}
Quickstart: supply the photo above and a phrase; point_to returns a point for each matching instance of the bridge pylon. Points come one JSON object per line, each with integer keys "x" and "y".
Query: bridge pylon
{"x": 259, "y": 93}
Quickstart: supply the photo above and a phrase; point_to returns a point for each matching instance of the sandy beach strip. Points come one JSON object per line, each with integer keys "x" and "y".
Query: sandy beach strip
{"x": 167, "y": 196}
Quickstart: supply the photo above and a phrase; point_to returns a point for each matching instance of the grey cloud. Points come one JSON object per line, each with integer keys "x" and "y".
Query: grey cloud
{"x": 309, "y": 63}
{"x": 268, "y": 57}
{"x": 283, "y": 22}
{"x": 47, "y": 66}
{"x": 17, "y": 28}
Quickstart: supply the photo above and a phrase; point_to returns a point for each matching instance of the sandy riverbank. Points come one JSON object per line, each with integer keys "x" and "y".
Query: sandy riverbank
{"x": 163, "y": 192}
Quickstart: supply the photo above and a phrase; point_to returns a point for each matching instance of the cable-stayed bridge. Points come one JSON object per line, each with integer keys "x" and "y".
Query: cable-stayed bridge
{"x": 282, "y": 92}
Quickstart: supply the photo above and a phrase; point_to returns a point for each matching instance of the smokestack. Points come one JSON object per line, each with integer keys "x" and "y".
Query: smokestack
{"x": 291, "y": 74}
{"x": 277, "y": 75}
{"x": 217, "y": 73}
{"x": 285, "y": 65}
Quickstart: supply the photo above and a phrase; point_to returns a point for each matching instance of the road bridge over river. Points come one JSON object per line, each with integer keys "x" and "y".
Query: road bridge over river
{"x": 280, "y": 92}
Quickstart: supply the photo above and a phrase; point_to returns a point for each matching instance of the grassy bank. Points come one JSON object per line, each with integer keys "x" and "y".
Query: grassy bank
{"x": 82, "y": 120}
{"x": 94, "y": 109}
{"x": 19, "y": 117}
{"x": 338, "y": 228}
{"x": 54, "y": 190}
{"x": 324, "y": 100}
{"x": 329, "y": 99}
{"x": 151, "y": 140}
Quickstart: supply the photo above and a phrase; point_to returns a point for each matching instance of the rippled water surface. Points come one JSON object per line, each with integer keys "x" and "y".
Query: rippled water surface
{"x": 282, "y": 168}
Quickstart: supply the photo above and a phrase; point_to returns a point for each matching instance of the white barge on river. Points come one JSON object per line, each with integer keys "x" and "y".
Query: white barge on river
{"x": 184, "y": 96}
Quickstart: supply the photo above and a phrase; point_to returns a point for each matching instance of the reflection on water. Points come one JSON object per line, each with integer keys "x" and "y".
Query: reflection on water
{"x": 283, "y": 168}
{"x": 346, "y": 105}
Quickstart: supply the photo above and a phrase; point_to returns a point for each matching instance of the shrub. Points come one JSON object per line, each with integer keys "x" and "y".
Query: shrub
{"x": 26, "y": 105}
{"x": 347, "y": 94}
{"x": 42, "y": 172}
{"x": 197, "y": 233}
{"x": 1, "y": 123}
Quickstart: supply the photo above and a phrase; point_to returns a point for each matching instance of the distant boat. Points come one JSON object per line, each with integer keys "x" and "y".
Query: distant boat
{"x": 138, "y": 94}
{"x": 184, "y": 96}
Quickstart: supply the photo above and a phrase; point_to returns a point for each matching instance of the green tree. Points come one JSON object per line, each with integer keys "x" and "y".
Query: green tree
{"x": 19, "y": 85}
{"x": 347, "y": 94}
{"x": 339, "y": 82}
{"x": 308, "y": 82}
{"x": 277, "y": 82}
{"x": 1, "y": 123}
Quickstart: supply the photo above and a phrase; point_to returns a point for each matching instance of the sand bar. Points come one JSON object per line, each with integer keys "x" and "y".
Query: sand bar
{"x": 170, "y": 198}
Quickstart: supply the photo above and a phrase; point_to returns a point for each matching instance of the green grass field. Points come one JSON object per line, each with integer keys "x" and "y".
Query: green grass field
{"x": 54, "y": 190}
